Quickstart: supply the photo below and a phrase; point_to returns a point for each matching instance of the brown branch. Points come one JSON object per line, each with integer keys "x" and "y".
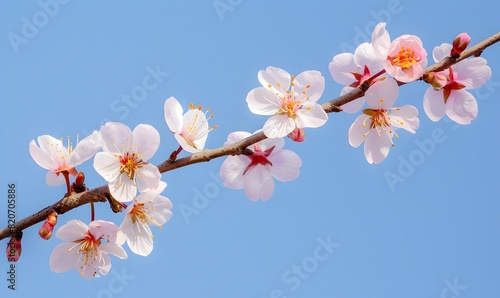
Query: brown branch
{"x": 101, "y": 194}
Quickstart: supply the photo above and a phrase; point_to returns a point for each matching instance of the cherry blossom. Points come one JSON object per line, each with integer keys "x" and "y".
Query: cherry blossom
{"x": 84, "y": 250}
{"x": 123, "y": 162}
{"x": 377, "y": 125}
{"x": 190, "y": 129}
{"x": 353, "y": 70}
{"x": 148, "y": 208}
{"x": 404, "y": 58}
{"x": 453, "y": 99}
{"x": 290, "y": 100}
{"x": 255, "y": 170}
{"x": 52, "y": 155}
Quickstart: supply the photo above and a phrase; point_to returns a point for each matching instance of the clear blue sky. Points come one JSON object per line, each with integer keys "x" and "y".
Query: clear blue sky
{"x": 433, "y": 234}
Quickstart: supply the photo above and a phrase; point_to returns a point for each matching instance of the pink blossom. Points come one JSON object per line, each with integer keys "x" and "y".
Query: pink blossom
{"x": 460, "y": 43}
{"x": 254, "y": 171}
{"x": 377, "y": 125}
{"x": 404, "y": 58}
{"x": 353, "y": 70}
{"x": 453, "y": 99}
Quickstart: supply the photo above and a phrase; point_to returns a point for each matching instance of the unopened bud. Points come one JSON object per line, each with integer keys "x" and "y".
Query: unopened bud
{"x": 79, "y": 185}
{"x": 14, "y": 249}
{"x": 459, "y": 45}
{"x": 437, "y": 79}
{"x": 48, "y": 226}
{"x": 297, "y": 135}
{"x": 46, "y": 231}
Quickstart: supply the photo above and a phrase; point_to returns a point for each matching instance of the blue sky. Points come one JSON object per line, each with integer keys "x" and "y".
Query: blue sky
{"x": 339, "y": 230}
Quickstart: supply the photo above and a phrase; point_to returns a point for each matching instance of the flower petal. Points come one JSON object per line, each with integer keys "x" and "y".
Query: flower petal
{"x": 377, "y": 146}
{"x": 114, "y": 135}
{"x": 231, "y": 171}
{"x": 173, "y": 114}
{"x": 342, "y": 67}
{"x": 62, "y": 258}
{"x": 473, "y": 73}
{"x": 279, "y": 126}
{"x": 54, "y": 179}
{"x": 148, "y": 177}
{"x": 107, "y": 165}
{"x": 73, "y": 230}
{"x": 461, "y": 107}
{"x": 85, "y": 149}
{"x": 278, "y": 78}
{"x": 41, "y": 157}
{"x": 262, "y": 101}
{"x": 405, "y": 117}
{"x": 352, "y": 106}
{"x": 380, "y": 41}
{"x": 285, "y": 166}
{"x": 259, "y": 183}
{"x": 311, "y": 115}
{"x": 146, "y": 140}
{"x": 123, "y": 189}
{"x": 441, "y": 52}
{"x": 382, "y": 95}
{"x": 434, "y": 105}
{"x": 358, "y": 130}
{"x": 311, "y": 84}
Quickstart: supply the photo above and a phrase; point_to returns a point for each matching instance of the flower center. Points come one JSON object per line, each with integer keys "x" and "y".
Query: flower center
{"x": 452, "y": 85}
{"x": 191, "y": 130}
{"x": 405, "y": 58}
{"x": 360, "y": 78}
{"x": 259, "y": 157}
{"x": 289, "y": 105}
{"x": 130, "y": 164}
{"x": 138, "y": 213}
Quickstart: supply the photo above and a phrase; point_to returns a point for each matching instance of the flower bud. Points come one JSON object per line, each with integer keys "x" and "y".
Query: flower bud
{"x": 79, "y": 185}
{"x": 14, "y": 249}
{"x": 297, "y": 135}
{"x": 46, "y": 231}
{"x": 459, "y": 45}
{"x": 52, "y": 218}
{"x": 437, "y": 79}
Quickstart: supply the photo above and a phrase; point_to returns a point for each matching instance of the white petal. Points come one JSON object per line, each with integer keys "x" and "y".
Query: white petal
{"x": 54, "y": 179}
{"x": 103, "y": 229}
{"x": 285, "y": 166}
{"x": 123, "y": 189}
{"x": 259, "y": 183}
{"x": 232, "y": 169}
{"x": 434, "y": 105}
{"x": 357, "y": 131}
{"x": 268, "y": 143}
{"x": 405, "y": 117}
{"x": 107, "y": 165}
{"x": 139, "y": 237}
{"x": 85, "y": 149}
{"x": 352, "y": 106}
{"x": 382, "y": 94}
{"x": 364, "y": 55}
{"x": 236, "y": 137}
{"x": 276, "y": 77}
{"x": 115, "y": 137}
{"x": 377, "y": 146}
{"x": 311, "y": 115}
{"x": 148, "y": 177}
{"x": 278, "y": 126}
{"x": 73, "y": 230}
{"x": 461, "y": 107}
{"x": 113, "y": 249}
{"x": 311, "y": 83}
{"x": 146, "y": 140}
{"x": 41, "y": 157}
{"x": 160, "y": 211}
{"x": 341, "y": 68}
{"x": 185, "y": 145}
{"x": 380, "y": 41}
{"x": 262, "y": 101}
{"x": 62, "y": 259}
{"x": 173, "y": 114}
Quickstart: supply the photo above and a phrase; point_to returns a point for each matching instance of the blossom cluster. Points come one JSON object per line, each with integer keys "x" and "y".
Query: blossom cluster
{"x": 122, "y": 155}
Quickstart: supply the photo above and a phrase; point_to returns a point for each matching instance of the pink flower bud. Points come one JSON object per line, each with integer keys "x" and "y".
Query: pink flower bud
{"x": 46, "y": 231}
{"x": 13, "y": 251}
{"x": 79, "y": 185}
{"x": 297, "y": 135}
{"x": 459, "y": 45}
{"x": 437, "y": 79}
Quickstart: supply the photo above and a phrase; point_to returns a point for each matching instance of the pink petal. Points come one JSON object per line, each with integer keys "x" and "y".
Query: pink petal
{"x": 259, "y": 183}
{"x": 232, "y": 169}
{"x": 461, "y": 107}
{"x": 285, "y": 166}
{"x": 386, "y": 90}
{"x": 341, "y": 68}
{"x": 380, "y": 41}
{"x": 473, "y": 73}
{"x": 434, "y": 105}
{"x": 441, "y": 52}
